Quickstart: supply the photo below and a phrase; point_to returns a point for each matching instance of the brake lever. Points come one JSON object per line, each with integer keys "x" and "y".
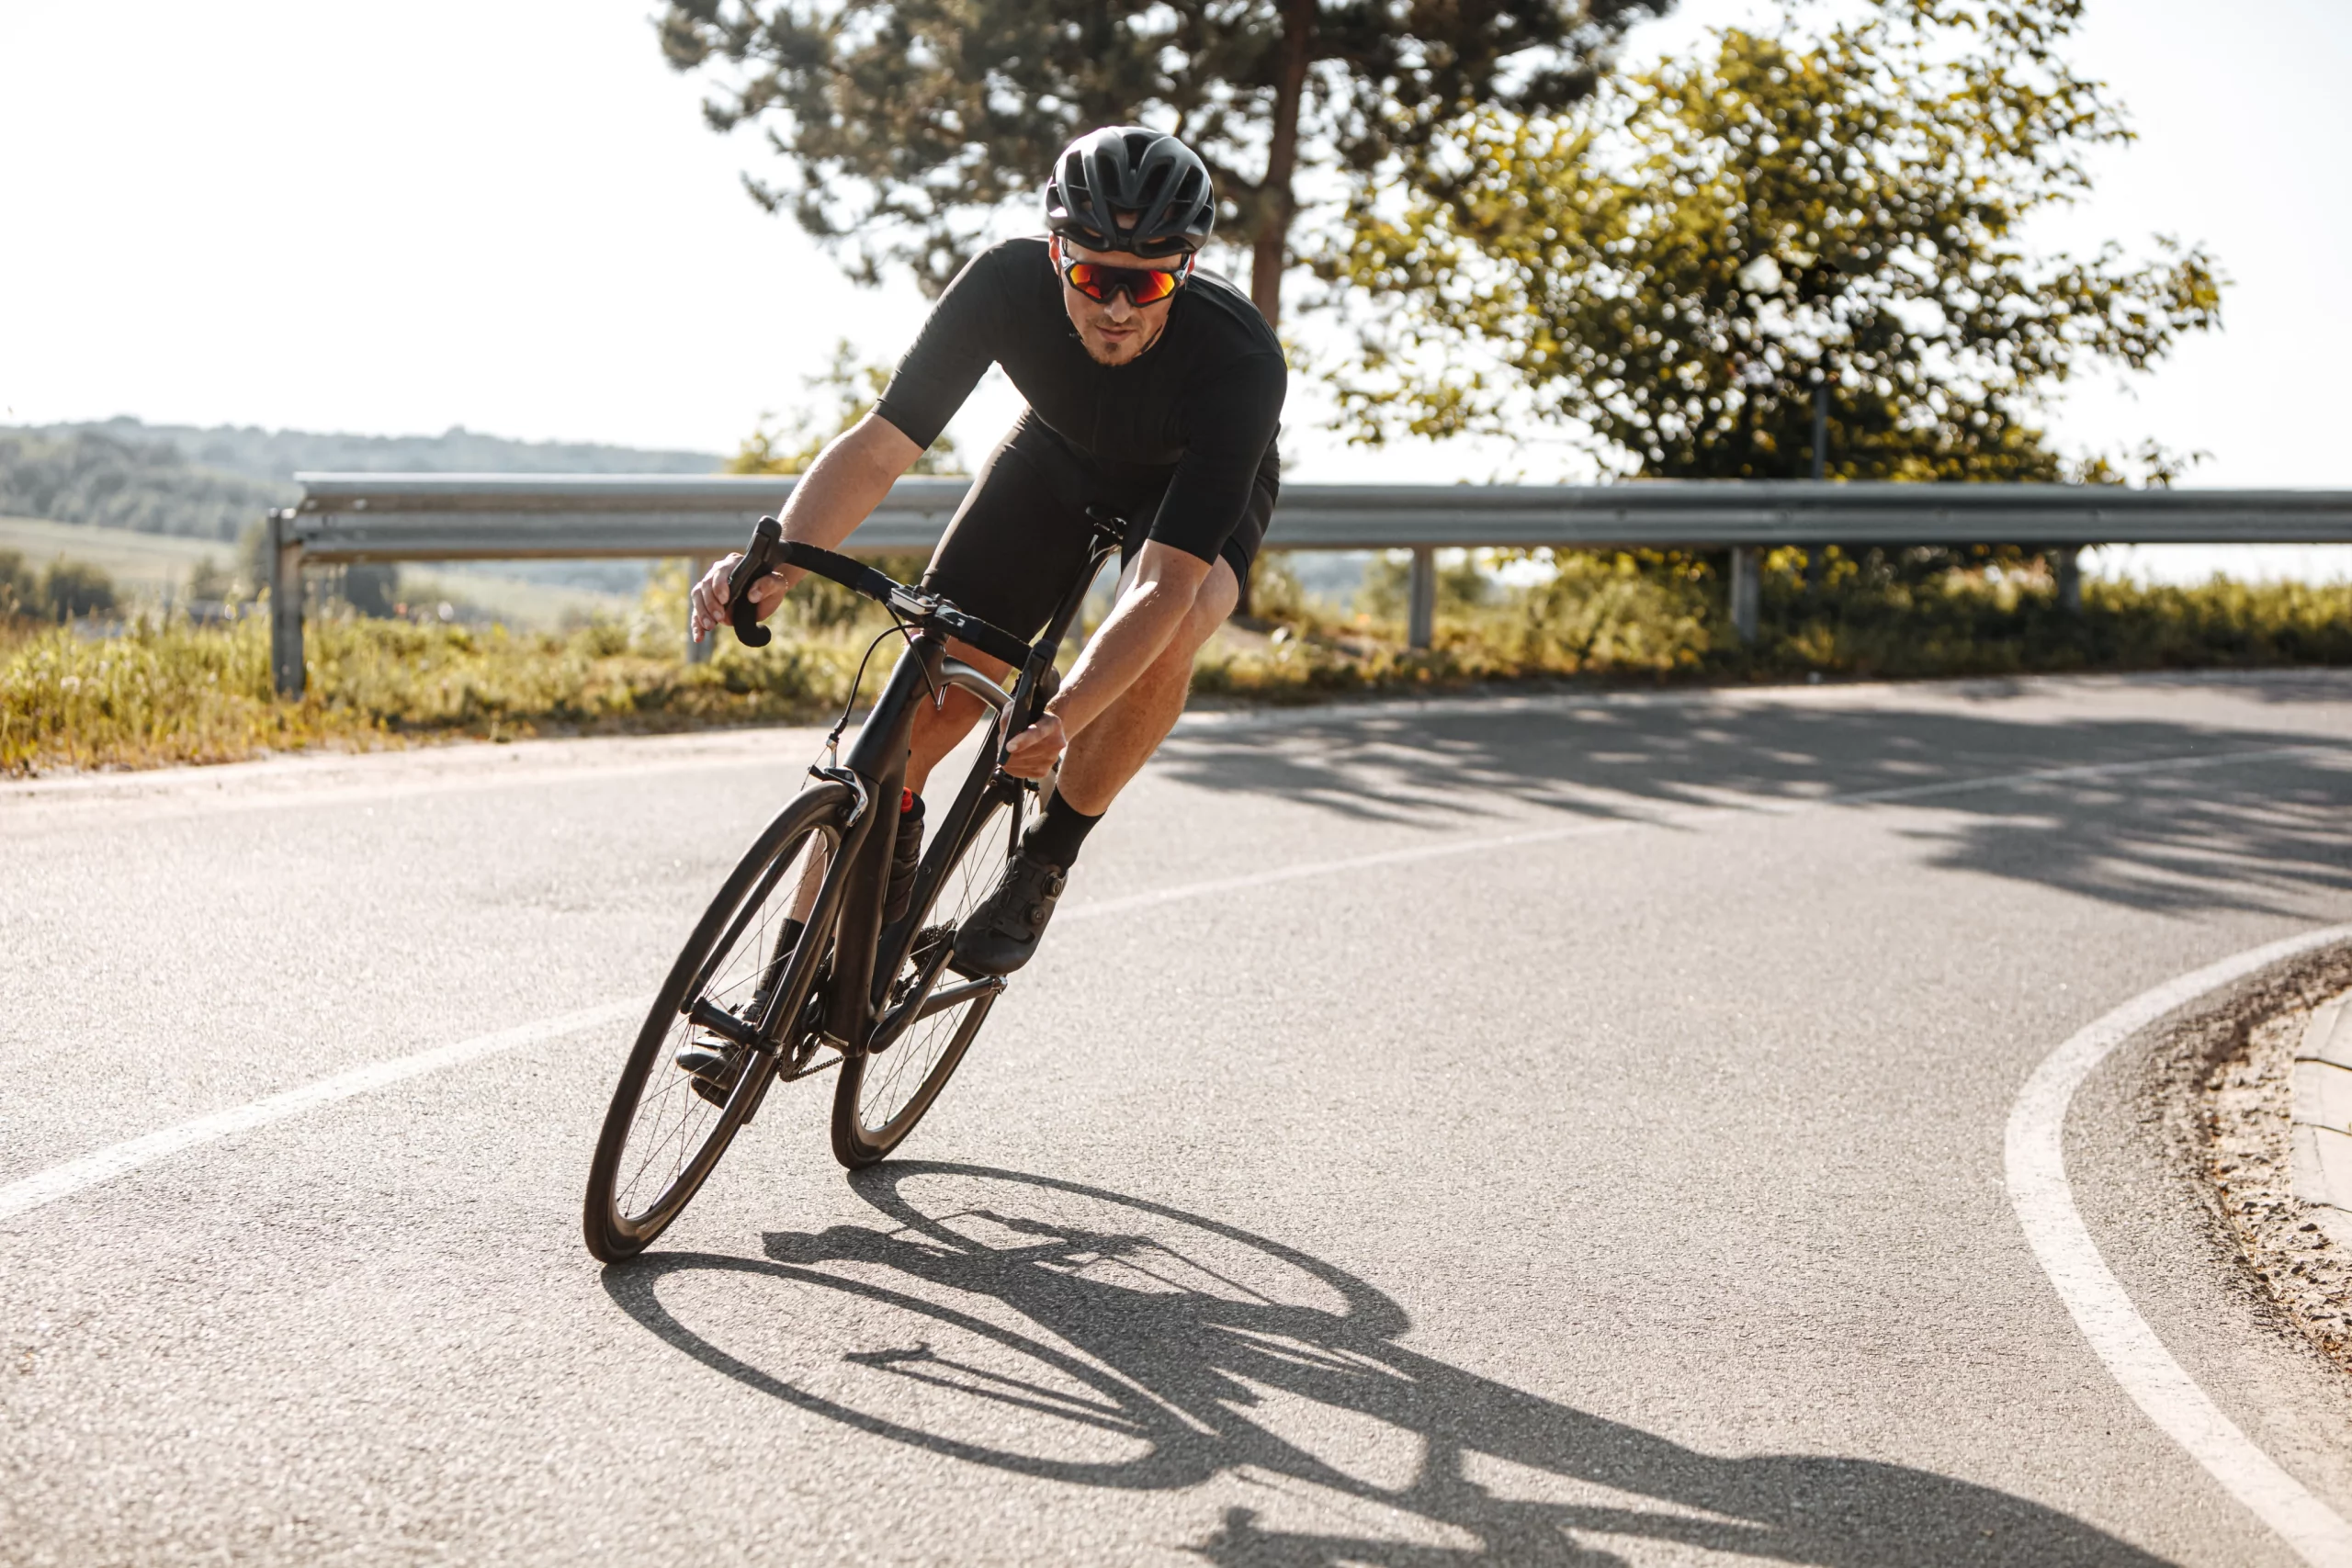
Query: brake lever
{"x": 759, "y": 560}
{"x": 1030, "y": 694}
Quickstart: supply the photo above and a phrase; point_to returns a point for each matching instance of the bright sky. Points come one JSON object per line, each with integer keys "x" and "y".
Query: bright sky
{"x": 507, "y": 214}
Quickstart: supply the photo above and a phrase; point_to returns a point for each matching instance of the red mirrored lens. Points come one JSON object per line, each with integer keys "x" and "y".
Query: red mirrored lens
{"x": 1144, "y": 286}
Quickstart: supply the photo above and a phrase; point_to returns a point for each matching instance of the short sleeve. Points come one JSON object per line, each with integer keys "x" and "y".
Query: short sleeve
{"x": 1228, "y": 426}
{"x": 953, "y": 350}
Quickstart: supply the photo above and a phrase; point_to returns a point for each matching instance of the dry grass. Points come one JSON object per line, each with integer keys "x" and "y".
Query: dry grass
{"x": 168, "y": 692}
{"x": 1654, "y": 617}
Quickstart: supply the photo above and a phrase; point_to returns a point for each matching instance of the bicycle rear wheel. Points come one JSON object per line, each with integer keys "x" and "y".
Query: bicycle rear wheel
{"x": 882, "y": 1094}
{"x": 666, "y": 1129}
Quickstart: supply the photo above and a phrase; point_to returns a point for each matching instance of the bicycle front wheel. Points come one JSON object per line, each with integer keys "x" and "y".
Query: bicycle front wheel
{"x": 882, "y": 1094}
{"x": 763, "y": 933}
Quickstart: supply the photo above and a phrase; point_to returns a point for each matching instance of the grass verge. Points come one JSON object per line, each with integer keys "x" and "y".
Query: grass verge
{"x": 170, "y": 691}
{"x": 1655, "y": 617}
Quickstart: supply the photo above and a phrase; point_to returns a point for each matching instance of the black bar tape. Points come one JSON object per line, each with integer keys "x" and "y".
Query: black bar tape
{"x": 853, "y": 575}
{"x": 759, "y": 559}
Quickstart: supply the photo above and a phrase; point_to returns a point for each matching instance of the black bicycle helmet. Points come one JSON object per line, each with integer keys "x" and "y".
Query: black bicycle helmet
{"x": 1149, "y": 179}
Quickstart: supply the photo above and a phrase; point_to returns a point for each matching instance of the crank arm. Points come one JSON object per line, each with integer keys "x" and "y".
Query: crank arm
{"x": 721, "y": 1022}
{"x": 905, "y": 1015}
{"x": 940, "y": 1001}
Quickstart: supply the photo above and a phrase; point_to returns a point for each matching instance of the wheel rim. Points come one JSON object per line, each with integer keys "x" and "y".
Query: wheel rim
{"x": 673, "y": 1131}
{"x": 891, "y": 1083}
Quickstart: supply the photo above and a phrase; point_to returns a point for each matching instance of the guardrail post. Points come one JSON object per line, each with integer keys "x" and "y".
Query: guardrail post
{"x": 2066, "y": 565}
{"x": 285, "y": 604}
{"x": 1746, "y": 590}
{"x": 1420, "y": 609}
{"x": 698, "y": 652}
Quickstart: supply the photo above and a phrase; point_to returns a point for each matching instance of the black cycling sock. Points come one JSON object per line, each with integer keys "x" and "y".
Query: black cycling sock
{"x": 1059, "y": 829}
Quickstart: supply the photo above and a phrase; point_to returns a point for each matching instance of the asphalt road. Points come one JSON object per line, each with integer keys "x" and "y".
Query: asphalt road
{"x": 1561, "y": 1131}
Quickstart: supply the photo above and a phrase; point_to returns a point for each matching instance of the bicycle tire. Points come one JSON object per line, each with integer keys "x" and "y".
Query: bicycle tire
{"x": 622, "y": 1215}
{"x": 882, "y": 1094}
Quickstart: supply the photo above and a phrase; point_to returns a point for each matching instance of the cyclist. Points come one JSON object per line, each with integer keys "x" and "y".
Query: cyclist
{"x": 1155, "y": 389}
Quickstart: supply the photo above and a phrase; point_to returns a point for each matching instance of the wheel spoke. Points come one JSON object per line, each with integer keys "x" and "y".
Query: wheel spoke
{"x": 672, "y": 1132}
{"x": 896, "y": 1080}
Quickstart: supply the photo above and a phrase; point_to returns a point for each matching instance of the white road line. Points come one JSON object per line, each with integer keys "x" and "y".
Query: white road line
{"x": 2036, "y": 1160}
{"x": 117, "y": 1159}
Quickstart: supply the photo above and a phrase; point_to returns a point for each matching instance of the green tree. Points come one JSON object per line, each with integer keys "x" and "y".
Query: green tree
{"x": 209, "y": 584}
{"x": 71, "y": 589}
{"x": 20, "y": 596}
{"x": 1676, "y": 267}
{"x": 905, "y": 125}
{"x": 843, "y": 392}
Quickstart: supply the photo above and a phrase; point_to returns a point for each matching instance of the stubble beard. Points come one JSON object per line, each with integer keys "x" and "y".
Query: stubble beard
{"x": 1135, "y": 346}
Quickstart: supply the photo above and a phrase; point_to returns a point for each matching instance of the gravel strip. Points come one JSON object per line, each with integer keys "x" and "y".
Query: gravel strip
{"x": 2246, "y": 1148}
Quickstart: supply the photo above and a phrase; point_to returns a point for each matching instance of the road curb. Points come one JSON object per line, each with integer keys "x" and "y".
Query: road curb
{"x": 2320, "y": 1117}
{"x": 2034, "y": 1166}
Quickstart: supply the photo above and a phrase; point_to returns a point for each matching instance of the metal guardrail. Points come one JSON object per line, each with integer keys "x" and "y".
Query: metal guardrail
{"x": 395, "y": 517}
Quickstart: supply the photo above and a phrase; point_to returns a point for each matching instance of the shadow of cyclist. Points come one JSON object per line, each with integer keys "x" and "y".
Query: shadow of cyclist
{"x": 1186, "y": 1340}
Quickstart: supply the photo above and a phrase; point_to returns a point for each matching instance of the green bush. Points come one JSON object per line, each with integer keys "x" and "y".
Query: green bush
{"x": 66, "y": 590}
{"x": 1878, "y": 615}
{"x": 71, "y": 589}
{"x": 20, "y": 595}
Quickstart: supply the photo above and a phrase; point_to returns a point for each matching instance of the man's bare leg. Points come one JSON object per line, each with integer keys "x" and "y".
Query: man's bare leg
{"x": 1119, "y": 727}
{"x": 938, "y": 731}
{"x": 1115, "y": 747}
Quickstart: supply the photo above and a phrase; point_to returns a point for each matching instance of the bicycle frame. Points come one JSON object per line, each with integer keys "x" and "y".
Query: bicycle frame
{"x": 866, "y": 955}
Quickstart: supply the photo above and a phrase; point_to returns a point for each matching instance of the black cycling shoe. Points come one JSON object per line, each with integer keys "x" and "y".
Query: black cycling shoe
{"x": 1001, "y": 935}
{"x": 714, "y": 1066}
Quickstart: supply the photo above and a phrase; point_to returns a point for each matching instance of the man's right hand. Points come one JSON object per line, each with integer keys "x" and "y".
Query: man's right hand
{"x": 850, "y": 477}
{"x": 706, "y": 604}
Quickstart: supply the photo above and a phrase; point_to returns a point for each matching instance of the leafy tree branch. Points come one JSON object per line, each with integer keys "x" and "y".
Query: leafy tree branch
{"x": 1677, "y": 266}
{"x": 905, "y": 127}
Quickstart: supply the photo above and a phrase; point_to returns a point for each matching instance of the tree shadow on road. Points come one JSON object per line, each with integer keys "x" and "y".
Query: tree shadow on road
{"x": 2179, "y": 817}
{"x": 1069, "y": 1334}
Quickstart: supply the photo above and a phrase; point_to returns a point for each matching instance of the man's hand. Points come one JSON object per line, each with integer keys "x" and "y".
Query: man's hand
{"x": 707, "y": 605}
{"x": 1035, "y": 749}
{"x": 850, "y": 477}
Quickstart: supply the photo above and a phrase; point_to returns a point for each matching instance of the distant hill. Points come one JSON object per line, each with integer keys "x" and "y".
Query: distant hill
{"x": 275, "y": 456}
{"x": 214, "y": 483}
{"x": 144, "y": 487}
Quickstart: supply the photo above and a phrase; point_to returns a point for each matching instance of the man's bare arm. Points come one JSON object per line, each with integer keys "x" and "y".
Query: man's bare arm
{"x": 850, "y": 477}
{"x": 1136, "y": 633}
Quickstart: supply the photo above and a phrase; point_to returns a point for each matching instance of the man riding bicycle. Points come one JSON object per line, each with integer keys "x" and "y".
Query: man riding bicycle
{"x": 1155, "y": 389}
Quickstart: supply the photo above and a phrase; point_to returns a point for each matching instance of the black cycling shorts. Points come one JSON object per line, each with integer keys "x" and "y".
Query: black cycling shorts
{"x": 1022, "y": 534}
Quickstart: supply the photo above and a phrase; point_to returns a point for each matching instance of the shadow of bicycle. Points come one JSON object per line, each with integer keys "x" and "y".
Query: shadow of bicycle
{"x": 1060, "y": 1331}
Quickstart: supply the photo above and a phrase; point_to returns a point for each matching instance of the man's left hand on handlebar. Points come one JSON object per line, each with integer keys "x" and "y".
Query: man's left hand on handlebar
{"x": 706, "y": 604}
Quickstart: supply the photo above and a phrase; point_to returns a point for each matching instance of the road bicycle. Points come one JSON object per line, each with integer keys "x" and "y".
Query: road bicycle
{"x": 800, "y": 966}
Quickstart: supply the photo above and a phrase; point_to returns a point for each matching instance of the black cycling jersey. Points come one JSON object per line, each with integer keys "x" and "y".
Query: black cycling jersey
{"x": 1193, "y": 417}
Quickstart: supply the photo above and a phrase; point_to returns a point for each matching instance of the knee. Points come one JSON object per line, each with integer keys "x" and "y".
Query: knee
{"x": 1212, "y": 605}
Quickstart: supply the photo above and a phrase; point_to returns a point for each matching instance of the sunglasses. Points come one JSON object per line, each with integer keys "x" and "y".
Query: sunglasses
{"x": 1142, "y": 284}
